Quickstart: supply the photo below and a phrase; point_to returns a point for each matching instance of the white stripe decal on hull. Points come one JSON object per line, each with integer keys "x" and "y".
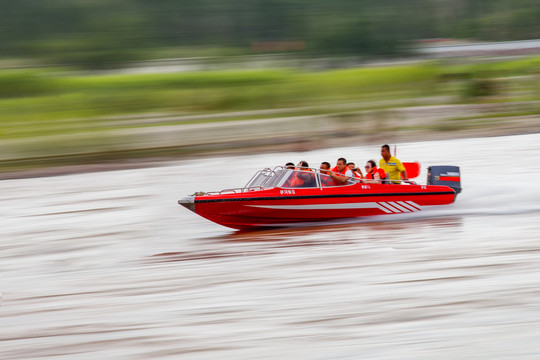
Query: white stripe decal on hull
{"x": 414, "y": 205}
{"x": 407, "y": 206}
{"x": 390, "y": 207}
{"x": 384, "y": 209}
{"x": 404, "y": 209}
{"x": 365, "y": 205}
{"x": 381, "y": 205}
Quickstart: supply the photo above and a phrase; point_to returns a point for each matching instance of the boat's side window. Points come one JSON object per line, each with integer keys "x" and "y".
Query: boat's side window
{"x": 300, "y": 179}
{"x": 327, "y": 180}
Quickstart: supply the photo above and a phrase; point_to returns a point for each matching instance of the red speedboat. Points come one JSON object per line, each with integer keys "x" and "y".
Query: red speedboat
{"x": 272, "y": 199}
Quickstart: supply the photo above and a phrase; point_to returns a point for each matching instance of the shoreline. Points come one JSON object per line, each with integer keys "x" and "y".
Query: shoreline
{"x": 283, "y": 145}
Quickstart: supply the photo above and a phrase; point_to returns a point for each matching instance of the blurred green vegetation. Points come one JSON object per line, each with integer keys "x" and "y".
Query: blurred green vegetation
{"x": 33, "y": 102}
{"x": 67, "y": 113}
{"x": 42, "y": 96}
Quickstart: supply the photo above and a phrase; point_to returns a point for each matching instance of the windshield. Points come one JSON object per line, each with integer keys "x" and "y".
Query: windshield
{"x": 299, "y": 178}
{"x": 265, "y": 178}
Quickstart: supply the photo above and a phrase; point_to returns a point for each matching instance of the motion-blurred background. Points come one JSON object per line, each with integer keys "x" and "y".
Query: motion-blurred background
{"x": 86, "y": 82}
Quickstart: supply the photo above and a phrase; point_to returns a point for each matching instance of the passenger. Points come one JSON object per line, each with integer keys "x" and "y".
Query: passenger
{"x": 325, "y": 169}
{"x": 356, "y": 172}
{"x": 373, "y": 175}
{"x": 302, "y": 164}
{"x": 291, "y": 180}
{"x": 341, "y": 173}
{"x": 301, "y": 177}
{"x": 306, "y": 176}
{"x": 392, "y": 166}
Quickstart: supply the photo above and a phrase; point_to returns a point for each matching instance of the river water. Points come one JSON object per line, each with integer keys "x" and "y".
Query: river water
{"x": 108, "y": 265}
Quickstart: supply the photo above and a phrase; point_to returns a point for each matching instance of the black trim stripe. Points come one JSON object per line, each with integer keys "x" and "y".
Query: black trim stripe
{"x": 324, "y": 196}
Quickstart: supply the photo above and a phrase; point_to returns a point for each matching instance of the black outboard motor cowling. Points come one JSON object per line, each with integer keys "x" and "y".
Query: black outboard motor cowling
{"x": 445, "y": 175}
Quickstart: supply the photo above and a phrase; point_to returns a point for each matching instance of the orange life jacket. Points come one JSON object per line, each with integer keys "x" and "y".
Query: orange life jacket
{"x": 374, "y": 170}
{"x": 342, "y": 172}
{"x": 326, "y": 180}
{"x": 382, "y": 173}
{"x": 295, "y": 180}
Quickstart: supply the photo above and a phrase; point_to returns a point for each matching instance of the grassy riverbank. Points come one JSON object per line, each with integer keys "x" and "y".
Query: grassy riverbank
{"x": 50, "y": 117}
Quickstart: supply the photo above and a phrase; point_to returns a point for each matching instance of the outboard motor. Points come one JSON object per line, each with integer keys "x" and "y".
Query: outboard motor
{"x": 445, "y": 175}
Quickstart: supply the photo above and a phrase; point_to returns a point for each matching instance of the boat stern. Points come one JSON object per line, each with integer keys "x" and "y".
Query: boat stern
{"x": 188, "y": 202}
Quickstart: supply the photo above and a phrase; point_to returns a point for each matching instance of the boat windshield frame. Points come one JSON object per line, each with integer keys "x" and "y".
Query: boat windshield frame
{"x": 277, "y": 177}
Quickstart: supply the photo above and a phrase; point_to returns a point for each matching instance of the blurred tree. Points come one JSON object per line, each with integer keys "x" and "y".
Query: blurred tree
{"x": 99, "y": 33}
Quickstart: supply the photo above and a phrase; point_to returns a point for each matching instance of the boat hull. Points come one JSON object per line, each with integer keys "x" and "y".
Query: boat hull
{"x": 283, "y": 207}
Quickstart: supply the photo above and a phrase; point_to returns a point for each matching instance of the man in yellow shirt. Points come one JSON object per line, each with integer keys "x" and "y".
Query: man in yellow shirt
{"x": 393, "y": 167}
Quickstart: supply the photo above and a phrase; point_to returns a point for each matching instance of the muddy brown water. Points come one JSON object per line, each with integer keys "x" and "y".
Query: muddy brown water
{"x": 107, "y": 265}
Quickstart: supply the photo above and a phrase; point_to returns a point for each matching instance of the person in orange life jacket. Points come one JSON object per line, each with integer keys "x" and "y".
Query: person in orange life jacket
{"x": 325, "y": 179}
{"x": 292, "y": 177}
{"x": 373, "y": 175}
{"x": 392, "y": 166}
{"x": 301, "y": 177}
{"x": 325, "y": 167}
{"x": 356, "y": 172}
{"x": 306, "y": 174}
{"x": 341, "y": 173}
